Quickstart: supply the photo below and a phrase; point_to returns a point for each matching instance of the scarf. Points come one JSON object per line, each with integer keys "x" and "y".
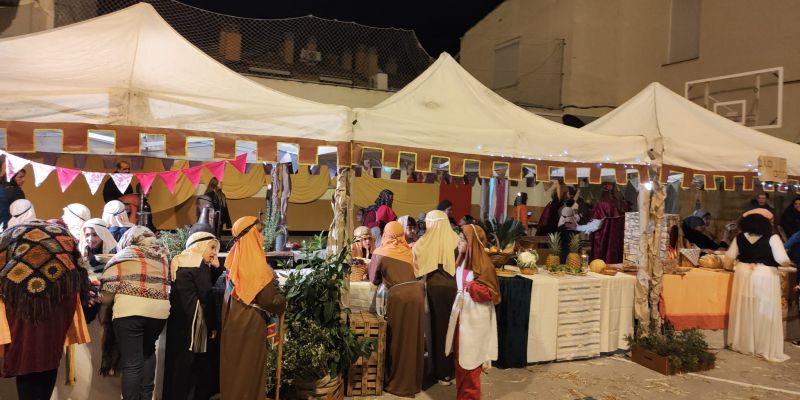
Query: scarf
{"x": 114, "y": 214}
{"x": 357, "y": 250}
{"x": 192, "y": 257}
{"x": 21, "y": 212}
{"x": 139, "y": 268}
{"x": 246, "y": 263}
{"x": 74, "y": 216}
{"x": 568, "y": 218}
{"x": 393, "y": 243}
{"x": 39, "y": 268}
{"x": 437, "y": 246}
{"x": 476, "y": 259}
{"x": 101, "y": 229}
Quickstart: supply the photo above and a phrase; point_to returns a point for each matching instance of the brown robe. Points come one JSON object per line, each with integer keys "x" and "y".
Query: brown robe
{"x": 244, "y": 345}
{"x": 405, "y": 308}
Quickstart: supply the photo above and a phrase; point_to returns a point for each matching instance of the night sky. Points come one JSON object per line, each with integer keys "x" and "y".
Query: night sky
{"x": 439, "y": 24}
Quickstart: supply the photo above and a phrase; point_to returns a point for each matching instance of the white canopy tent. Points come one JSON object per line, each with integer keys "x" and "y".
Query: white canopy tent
{"x": 445, "y": 108}
{"x": 131, "y": 68}
{"x": 689, "y": 136}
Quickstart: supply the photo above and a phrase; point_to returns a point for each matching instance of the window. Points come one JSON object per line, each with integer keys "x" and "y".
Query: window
{"x": 684, "y": 31}
{"x": 506, "y": 64}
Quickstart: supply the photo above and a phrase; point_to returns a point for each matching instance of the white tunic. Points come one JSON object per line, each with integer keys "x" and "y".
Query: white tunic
{"x": 477, "y": 327}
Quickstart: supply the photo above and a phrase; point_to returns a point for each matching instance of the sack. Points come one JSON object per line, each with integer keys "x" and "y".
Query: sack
{"x": 381, "y": 300}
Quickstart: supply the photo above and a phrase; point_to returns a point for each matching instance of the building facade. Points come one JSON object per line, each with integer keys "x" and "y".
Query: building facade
{"x": 584, "y": 57}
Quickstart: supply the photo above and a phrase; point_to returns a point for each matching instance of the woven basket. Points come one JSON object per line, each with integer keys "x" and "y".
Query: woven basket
{"x": 358, "y": 273}
{"x": 500, "y": 259}
{"x": 528, "y": 270}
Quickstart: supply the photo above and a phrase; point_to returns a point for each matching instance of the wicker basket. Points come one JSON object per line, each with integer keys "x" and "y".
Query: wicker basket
{"x": 528, "y": 270}
{"x": 500, "y": 259}
{"x": 365, "y": 376}
{"x": 326, "y": 388}
{"x": 358, "y": 273}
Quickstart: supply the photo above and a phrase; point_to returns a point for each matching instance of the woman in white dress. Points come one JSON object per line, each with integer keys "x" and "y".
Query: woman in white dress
{"x": 755, "y": 324}
{"x": 472, "y": 331}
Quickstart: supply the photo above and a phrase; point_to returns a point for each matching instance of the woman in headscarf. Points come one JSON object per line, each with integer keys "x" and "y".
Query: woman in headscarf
{"x": 251, "y": 296}
{"x": 96, "y": 239}
{"x": 41, "y": 286}
{"x": 21, "y": 212}
{"x": 116, "y": 218}
{"x": 472, "y": 332}
{"x": 192, "y": 320}
{"x": 755, "y": 323}
{"x": 380, "y": 214}
{"x": 364, "y": 245}
{"x": 520, "y": 210}
{"x": 135, "y": 294}
{"x": 219, "y": 202}
{"x": 409, "y": 225}
{"x": 435, "y": 255}
{"x": 790, "y": 219}
{"x": 10, "y": 191}
{"x": 74, "y": 216}
{"x": 393, "y": 267}
{"x": 694, "y": 230}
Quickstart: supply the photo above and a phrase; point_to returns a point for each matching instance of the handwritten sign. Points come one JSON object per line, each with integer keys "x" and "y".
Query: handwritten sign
{"x": 772, "y": 169}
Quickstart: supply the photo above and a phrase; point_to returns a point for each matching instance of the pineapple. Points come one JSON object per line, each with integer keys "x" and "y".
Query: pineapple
{"x": 555, "y": 250}
{"x": 573, "y": 258}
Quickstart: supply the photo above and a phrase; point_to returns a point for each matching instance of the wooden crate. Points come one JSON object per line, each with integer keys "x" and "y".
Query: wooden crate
{"x": 365, "y": 376}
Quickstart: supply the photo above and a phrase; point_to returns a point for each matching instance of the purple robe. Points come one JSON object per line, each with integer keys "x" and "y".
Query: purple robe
{"x": 548, "y": 222}
{"x": 607, "y": 241}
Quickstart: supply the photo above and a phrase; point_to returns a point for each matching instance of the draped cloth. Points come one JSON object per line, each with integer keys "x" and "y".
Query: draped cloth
{"x": 21, "y": 212}
{"x": 394, "y": 245}
{"x": 607, "y": 241}
{"x": 513, "y": 317}
{"x": 437, "y": 246}
{"x": 476, "y": 259}
{"x": 247, "y": 263}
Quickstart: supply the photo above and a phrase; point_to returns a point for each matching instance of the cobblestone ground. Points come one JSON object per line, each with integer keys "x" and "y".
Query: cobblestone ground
{"x": 614, "y": 378}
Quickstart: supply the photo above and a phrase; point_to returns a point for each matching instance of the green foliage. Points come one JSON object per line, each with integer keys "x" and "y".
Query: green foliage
{"x": 272, "y": 226}
{"x": 554, "y": 241}
{"x": 174, "y": 242}
{"x": 318, "y": 341}
{"x": 687, "y": 350}
{"x": 502, "y": 235}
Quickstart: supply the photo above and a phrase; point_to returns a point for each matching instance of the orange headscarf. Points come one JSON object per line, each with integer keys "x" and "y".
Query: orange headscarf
{"x": 393, "y": 243}
{"x": 246, "y": 263}
{"x": 476, "y": 259}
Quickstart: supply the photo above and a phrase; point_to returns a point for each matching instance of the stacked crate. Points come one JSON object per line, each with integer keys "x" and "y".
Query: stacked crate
{"x": 578, "y": 318}
{"x": 365, "y": 376}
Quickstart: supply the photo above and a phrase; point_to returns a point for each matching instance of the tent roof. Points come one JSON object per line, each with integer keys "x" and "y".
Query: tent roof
{"x": 446, "y": 108}
{"x": 691, "y": 136}
{"x": 131, "y": 68}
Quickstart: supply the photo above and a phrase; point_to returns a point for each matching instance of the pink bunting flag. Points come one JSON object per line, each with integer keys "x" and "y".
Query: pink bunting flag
{"x": 122, "y": 181}
{"x": 41, "y": 172}
{"x": 240, "y": 163}
{"x": 193, "y": 174}
{"x": 66, "y": 176}
{"x": 146, "y": 180}
{"x": 217, "y": 168}
{"x": 14, "y": 164}
{"x": 167, "y": 163}
{"x": 94, "y": 179}
{"x": 170, "y": 178}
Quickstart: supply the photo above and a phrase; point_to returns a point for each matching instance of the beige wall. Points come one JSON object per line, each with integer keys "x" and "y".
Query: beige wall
{"x": 330, "y": 94}
{"x": 616, "y": 47}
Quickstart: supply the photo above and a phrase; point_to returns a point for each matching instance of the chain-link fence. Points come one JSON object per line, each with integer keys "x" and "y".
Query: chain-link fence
{"x": 304, "y": 48}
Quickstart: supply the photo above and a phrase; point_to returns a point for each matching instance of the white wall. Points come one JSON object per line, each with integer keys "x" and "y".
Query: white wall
{"x": 324, "y": 93}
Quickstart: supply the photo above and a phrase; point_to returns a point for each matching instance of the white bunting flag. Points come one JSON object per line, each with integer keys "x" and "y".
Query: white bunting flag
{"x": 41, "y": 172}
{"x": 94, "y": 179}
{"x": 122, "y": 181}
{"x": 14, "y": 164}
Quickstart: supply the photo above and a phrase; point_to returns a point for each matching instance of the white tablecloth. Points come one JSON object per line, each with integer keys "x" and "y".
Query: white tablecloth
{"x": 616, "y": 318}
{"x": 361, "y": 295}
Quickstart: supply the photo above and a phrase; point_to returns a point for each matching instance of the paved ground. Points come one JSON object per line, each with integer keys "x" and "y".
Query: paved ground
{"x": 611, "y": 378}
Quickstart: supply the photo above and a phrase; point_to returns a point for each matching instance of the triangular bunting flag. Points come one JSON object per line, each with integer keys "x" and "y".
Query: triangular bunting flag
{"x": 94, "y": 179}
{"x": 146, "y": 180}
{"x": 170, "y": 178}
{"x": 217, "y": 168}
{"x": 240, "y": 162}
{"x": 79, "y": 160}
{"x": 137, "y": 163}
{"x": 41, "y": 172}
{"x": 167, "y": 163}
{"x": 109, "y": 162}
{"x": 195, "y": 163}
{"x": 123, "y": 181}
{"x": 13, "y": 165}
{"x": 193, "y": 174}
{"x": 66, "y": 176}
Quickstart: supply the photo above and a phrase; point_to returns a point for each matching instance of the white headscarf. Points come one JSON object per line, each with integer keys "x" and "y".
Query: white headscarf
{"x": 101, "y": 229}
{"x": 568, "y": 218}
{"x": 437, "y": 245}
{"x": 114, "y": 214}
{"x": 74, "y": 216}
{"x": 21, "y": 212}
{"x": 196, "y": 245}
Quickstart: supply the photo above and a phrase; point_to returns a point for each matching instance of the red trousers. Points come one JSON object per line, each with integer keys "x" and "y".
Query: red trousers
{"x": 468, "y": 381}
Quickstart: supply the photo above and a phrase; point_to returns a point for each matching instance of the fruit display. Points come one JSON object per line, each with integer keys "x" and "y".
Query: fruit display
{"x": 561, "y": 269}
{"x": 573, "y": 258}
{"x": 554, "y": 241}
{"x": 597, "y": 265}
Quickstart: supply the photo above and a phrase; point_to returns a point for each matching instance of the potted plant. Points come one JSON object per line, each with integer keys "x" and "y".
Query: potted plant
{"x": 319, "y": 346}
{"x": 672, "y": 352}
{"x": 526, "y": 261}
